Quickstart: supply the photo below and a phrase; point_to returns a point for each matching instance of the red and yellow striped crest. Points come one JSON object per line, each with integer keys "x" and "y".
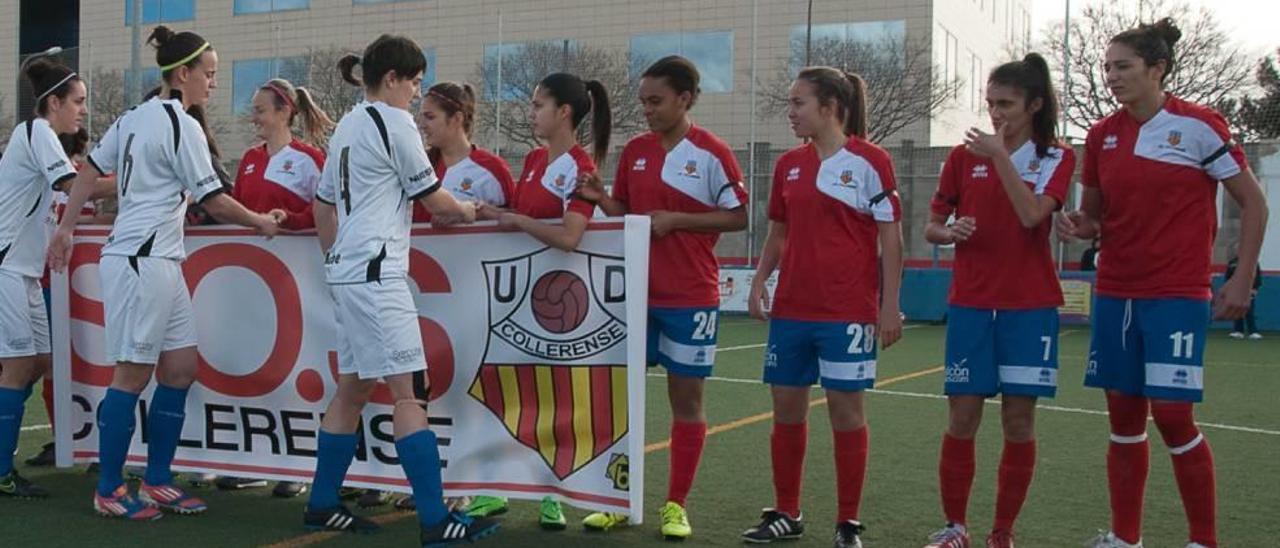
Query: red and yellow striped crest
{"x": 568, "y": 414}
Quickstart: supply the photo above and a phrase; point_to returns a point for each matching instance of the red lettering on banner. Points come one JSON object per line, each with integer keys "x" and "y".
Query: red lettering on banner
{"x": 284, "y": 291}
{"x": 86, "y": 310}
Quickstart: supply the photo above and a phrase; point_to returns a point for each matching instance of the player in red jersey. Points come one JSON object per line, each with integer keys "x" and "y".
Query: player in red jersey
{"x": 1151, "y": 174}
{"x": 832, "y": 206}
{"x": 465, "y": 170}
{"x": 1002, "y": 325}
{"x": 548, "y": 190}
{"x": 688, "y": 181}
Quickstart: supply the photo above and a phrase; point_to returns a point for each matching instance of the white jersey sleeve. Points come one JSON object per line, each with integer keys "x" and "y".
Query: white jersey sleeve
{"x": 410, "y": 158}
{"x": 192, "y": 162}
{"x": 103, "y": 157}
{"x": 51, "y": 158}
{"x": 327, "y": 190}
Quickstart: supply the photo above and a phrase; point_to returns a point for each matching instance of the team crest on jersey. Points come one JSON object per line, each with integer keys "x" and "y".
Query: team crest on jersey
{"x": 980, "y": 171}
{"x": 465, "y": 186}
{"x": 287, "y": 167}
{"x": 639, "y": 165}
{"x": 846, "y": 177}
{"x": 1175, "y": 137}
{"x": 1110, "y": 142}
{"x": 1034, "y": 166}
{"x": 559, "y": 181}
{"x": 793, "y": 174}
{"x": 555, "y": 361}
{"x": 691, "y": 169}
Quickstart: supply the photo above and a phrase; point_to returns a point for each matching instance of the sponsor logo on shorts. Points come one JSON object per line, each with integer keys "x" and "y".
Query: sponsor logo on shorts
{"x": 405, "y": 356}
{"x": 1046, "y": 376}
{"x": 20, "y": 344}
{"x": 771, "y": 357}
{"x": 700, "y": 357}
{"x": 141, "y": 346}
{"x": 1093, "y": 364}
{"x": 1182, "y": 377}
{"x": 958, "y": 371}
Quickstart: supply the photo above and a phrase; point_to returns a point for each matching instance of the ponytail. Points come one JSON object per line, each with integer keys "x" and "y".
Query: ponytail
{"x": 847, "y": 90}
{"x": 316, "y": 124}
{"x": 601, "y": 120}
{"x": 1031, "y": 76}
{"x": 388, "y": 53}
{"x": 346, "y": 67}
{"x": 855, "y": 121}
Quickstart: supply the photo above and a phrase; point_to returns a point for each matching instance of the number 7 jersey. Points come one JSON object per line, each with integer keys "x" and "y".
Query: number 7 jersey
{"x": 376, "y": 168}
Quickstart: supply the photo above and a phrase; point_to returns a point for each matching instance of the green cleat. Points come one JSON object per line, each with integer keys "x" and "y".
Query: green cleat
{"x": 675, "y": 522}
{"x": 551, "y": 515}
{"x": 604, "y": 521}
{"x": 16, "y": 486}
{"x": 483, "y": 507}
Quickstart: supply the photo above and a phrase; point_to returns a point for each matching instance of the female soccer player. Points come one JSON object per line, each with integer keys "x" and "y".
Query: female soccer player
{"x": 548, "y": 190}
{"x": 161, "y": 157}
{"x": 688, "y": 181}
{"x": 1151, "y": 173}
{"x": 833, "y": 203}
{"x": 1002, "y": 326}
{"x": 473, "y": 173}
{"x": 376, "y": 160}
{"x": 33, "y": 166}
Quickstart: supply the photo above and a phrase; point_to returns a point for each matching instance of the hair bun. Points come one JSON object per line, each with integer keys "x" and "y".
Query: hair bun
{"x": 1167, "y": 30}
{"x": 160, "y": 36}
{"x": 1037, "y": 61}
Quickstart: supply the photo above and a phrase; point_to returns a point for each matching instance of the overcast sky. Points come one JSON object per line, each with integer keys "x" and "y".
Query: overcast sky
{"x": 1255, "y": 22}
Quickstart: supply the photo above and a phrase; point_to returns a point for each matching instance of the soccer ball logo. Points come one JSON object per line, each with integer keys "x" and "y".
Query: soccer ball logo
{"x": 560, "y": 301}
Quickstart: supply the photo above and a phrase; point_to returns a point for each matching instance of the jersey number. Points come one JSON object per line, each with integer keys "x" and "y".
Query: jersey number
{"x": 705, "y": 327}
{"x": 1048, "y": 346}
{"x": 864, "y": 338}
{"x": 126, "y": 167}
{"x": 344, "y": 179}
{"x": 1183, "y": 344}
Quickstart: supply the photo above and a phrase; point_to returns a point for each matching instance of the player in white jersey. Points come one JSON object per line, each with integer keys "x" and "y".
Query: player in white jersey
{"x": 376, "y": 168}
{"x": 33, "y": 166}
{"x": 160, "y": 154}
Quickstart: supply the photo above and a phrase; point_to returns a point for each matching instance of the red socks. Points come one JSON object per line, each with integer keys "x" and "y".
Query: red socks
{"x": 687, "y": 441}
{"x": 851, "y": 470}
{"x": 1017, "y": 466}
{"x": 1192, "y": 467}
{"x": 955, "y": 477}
{"x": 1128, "y": 461}
{"x": 787, "y": 446}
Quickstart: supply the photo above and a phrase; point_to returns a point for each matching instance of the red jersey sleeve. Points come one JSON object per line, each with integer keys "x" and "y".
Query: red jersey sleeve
{"x": 947, "y": 198}
{"x": 1089, "y": 177}
{"x": 1060, "y": 179}
{"x": 576, "y": 203}
{"x": 1223, "y": 157}
{"x": 881, "y": 192}
{"x": 620, "y": 188}
{"x": 777, "y": 198}
{"x": 731, "y": 194}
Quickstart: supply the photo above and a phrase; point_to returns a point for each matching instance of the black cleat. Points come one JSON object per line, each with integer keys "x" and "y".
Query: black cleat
{"x": 774, "y": 525}
{"x": 340, "y": 519}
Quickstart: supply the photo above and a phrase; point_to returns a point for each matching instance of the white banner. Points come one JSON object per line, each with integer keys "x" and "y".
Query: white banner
{"x": 535, "y": 390}
{"x": 735, "y": 285}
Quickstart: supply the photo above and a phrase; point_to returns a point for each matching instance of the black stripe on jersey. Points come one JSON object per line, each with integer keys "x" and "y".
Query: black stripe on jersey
{"x": 4, "y": 252}
{"x": 726, "y": 186}
{"x": 33, "y": 207}
{"x": 1225, "y": 148}
{"x": 425, "y": 192}
{"x": 880, "y": 197}
{"x": 89, "y": 157}
{"x": 374, "y": 272}
{"x": 177, "y": 128}
{"x": 324, "y": 201}
{"x": 57, "y": 185}
{"x": 382, "y": 127}
{"x": 143, "y": 251}
{"x": 210, "y": 194}
{"x": 31, "y": 126}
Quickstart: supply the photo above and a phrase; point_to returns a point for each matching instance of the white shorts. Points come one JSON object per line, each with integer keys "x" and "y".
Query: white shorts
{"x": 24, "y": 323}
{"x": 378, "y": 332}
{"x": 148, "y": 308}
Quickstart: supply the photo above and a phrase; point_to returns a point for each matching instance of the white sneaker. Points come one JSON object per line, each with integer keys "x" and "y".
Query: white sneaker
{"x": 1255, "y": 336}
{"x": 1109, "y": 540}
{"x": 1236, "y": 335}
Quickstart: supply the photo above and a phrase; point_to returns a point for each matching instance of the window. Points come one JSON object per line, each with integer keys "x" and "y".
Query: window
{"x": 243, "y": 7}
{"x": 250, "y": 74}
{"x": 150, "y": 79}
{"x": 846, "y": 45}
{"x": 429, "y": 75}
{"x": 523, "y": 65}
{"x": 711, "y": 52}
{"x": 161, "y": 11}
{"x": 977, "y": 91}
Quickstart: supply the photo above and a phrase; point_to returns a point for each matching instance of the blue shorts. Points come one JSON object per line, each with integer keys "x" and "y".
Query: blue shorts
{"x": 683, "y": 340}
{"x": 1011, "y": 352}
{"x": 842, "y": 354}
{"x": 1149, "y": 347}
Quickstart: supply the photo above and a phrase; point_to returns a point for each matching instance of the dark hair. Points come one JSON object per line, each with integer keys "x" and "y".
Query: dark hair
{"x": 316, "y": 124}
{"x": 1031, "y": 75}
{"x": 583, "y": 97}
{"x": 1153, "y": 42}
{"x": 849, "y": 92}
{"x": 74, "y": 143}
{"x": 680, "y": 73}
{"x": 48, "y": 78}
{"x": 387, "y": 53}
{"x": 453, "y": 98}
{"x": 172, "y": 47}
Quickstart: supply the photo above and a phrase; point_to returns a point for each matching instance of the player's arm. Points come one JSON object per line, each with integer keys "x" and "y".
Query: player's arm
{"x": 724, "y": 220}
{"x": 1232, "y": 301}
{"x": 565, "y": 236}
{"x": 59, "y": 253}
{"x": 758, "y": 302}
{"x": 1031, "y": 208}
{"x": 227, "y": 210}
{"x": 446, "y": 210}
{"x": 1084, "y": 223}
{"x": 326, "y": 216}
{"x": 890, "y": 324}
{"x": 591, "y": 188}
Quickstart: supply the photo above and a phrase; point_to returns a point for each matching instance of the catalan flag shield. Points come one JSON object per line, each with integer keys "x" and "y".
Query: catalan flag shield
{"x": 554, "y": 372}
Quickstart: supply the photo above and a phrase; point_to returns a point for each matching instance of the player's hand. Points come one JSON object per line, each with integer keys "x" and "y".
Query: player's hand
{"x": 470, "y": 209}
{"x": 279, "y": 215}
{"x": 590, "y": 186}
{"x": 986, "y": 145}
{"x": 486, "y": 212}
{"x": 1073, "y": 225}
{"x": 889, "y": 326}
{"x": 59, "y": 254}
{"x": 1232, "y": 300}
{"x": 267, "y": 225}
{"x": 962, "y": 229}
{"x": 758, "y": 301}
{"x": 662, "y": 222}
{"x": 509, "y": 220}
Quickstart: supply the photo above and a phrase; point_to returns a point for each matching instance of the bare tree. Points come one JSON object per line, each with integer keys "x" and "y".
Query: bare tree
{"x": 331, "y": 93}
{"x": 6, "y": 123}
{"x": 108, "y": 100}
{"x": 1259, "y": 116}
{"x": 903, "y": 85}
{"x": 527, "y": 64}
{"x": 1209, "y": 66}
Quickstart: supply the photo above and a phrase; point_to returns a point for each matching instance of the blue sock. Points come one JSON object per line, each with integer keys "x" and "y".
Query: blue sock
{"x": 115, "y": 431}
{"x": 12, "y": 404}
{"x": 333, "y": 456}
{"x": 164, "y": 427}
{"x": 420, "y": 458}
